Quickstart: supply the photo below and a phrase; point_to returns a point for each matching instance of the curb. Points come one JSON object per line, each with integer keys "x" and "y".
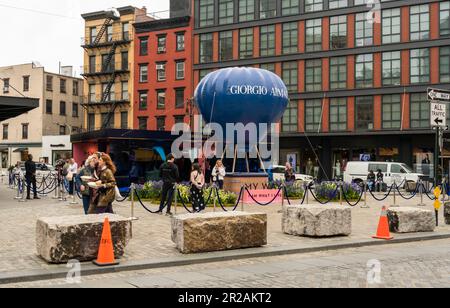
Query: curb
{"x": 88, "y": 269}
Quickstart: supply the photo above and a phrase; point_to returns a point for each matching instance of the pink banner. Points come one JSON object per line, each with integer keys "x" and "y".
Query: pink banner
{"x": 262, "y": 196}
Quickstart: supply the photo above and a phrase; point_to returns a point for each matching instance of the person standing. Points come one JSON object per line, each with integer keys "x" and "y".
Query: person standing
{"x": 218, "y": 174}
{"x": 197, "y": 184}
{"x": 72, "y": 171}
{"x": 82, "y": 184}
{"x": 106, "y": 185}
{"x": 169, "y": 174}
{"x": 289, "y": 175}
{"x": 30, "y": 175}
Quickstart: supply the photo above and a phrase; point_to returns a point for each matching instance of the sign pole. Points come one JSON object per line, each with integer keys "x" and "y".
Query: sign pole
{"x": 436, "y": 157}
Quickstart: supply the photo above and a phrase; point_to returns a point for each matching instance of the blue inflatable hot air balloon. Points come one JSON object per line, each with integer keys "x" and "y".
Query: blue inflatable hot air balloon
{"x": 241, "y": 95}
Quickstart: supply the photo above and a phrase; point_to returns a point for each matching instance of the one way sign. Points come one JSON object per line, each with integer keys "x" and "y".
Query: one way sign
{"x": 439, "y": 95}
{"x": 438, "y": 116}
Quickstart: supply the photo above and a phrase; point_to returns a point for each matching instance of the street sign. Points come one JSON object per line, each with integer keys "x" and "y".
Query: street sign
{"x": 438, "y": 114}
{"x": 438, "y": 95}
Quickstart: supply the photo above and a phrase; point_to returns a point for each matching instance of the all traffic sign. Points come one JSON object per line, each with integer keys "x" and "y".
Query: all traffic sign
{"x": 438, "y": 114}
{"x": 439, "y": 95}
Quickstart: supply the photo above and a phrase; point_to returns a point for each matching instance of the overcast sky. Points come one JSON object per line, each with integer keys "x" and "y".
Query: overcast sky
{"x": 50, "y": 31}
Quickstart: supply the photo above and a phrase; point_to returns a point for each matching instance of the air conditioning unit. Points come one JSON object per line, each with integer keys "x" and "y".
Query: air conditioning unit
{"x": 160, "y": 67}
{"x": 5, "y": 89}
{"x": 161, "y": 49}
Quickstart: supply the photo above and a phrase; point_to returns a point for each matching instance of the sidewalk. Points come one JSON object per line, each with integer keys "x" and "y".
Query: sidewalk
{"x": 151, "y": 245}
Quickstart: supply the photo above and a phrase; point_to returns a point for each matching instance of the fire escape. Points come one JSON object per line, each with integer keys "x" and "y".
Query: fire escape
{"x": 108, "y": 70}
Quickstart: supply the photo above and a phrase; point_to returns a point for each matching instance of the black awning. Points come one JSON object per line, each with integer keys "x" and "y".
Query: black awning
{"x": 11, "y": 106}
{"x": 20, "y": 150}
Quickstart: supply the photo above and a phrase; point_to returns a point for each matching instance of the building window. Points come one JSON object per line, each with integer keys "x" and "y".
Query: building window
{"x": 391, "y": 68}
{"x": 290, "y": 37}
{"x": 143, "y": 46}
{"x": 313, "y": 35}
{"x": 178, "y": 119}
{"x": 206, "y": 48}
{"x": 124, "y": 120}
{"x": 125, "y": 61}
{"x": 5, "y": 131}
{"x": 6, "y": 85}
{"x": 161, "y": 71}
{"x": 420, "y": 65}
{"x": 289, "y": 122}
{"x": 267, "y": 41}
{"x": 420, "y": 111}
{"x": 161, "y": 123}
{"x": 49, "y": 83}
{"x": 91, "y": 94}
{"x": 62, "y": 130}
{"x": 364, "y": 113}
{"x": 75, "y": 110}
{"x": 62, "y": 86}
{"x": 108, "y": 64}
{"x": 179, "y": 98}
{"x": 391, "y": 112}
{"x": 180, "y": 41}
{"x": 62, "y": 108}
{"x": 364, "y": 30}
{"x": 246, "y": 43}
{"x": 444, "y": 18}
{"x": 364, "y": 71}
{"x": 109, "y": 94}
{"x": 226, "y": 11}
{"x": 391, "y": 25}
{"x": 25, "y": 131}
{"x": 226, "y": 45}
{"x": 107, "y": 120}
{"x": 26, "y": 83}
{"x": 125, "y": 94}
{"x": 91, "y": 121}
{"x": 338, "y": 32}
{"x": 267, "y": 9}
{"x": 246, "y": 10}
{"x": 444, "y": 64}
{"x": 268, "y": 67}
{"x": 143, "y": 123}
{"x": 161, "y": 99}
{"x": 313, "y": 75}
{"x": 202, "y": 73}
{"x": 143, "y": 100}
{"x": 180, "y": 68}
{"x": 162, "y": 44}
{"x": 93, "y": 34}
{"x": 92, "y": 65}
{"x": 290, "y": 7}
{"x": 338, "y": 73}
{"x": 109, "y": 33}
{"x": 49, "y": 106}
{"x": 126, "y": 31}
{"x": 419, "y": 22}
{"x": 143, "y": 73}
{"x": 337, "y": 4}
{"x": 338, "y": 114}
{"x": 313, "y": 5}
{"x": 75, "y": 88}
{"x": 290, "y": 75}
{"x": 206, "y": 13}
{"x": 313, "y": 115}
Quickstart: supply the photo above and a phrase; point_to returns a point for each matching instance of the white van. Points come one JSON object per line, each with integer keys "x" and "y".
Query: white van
{"x": 358, "y": 170}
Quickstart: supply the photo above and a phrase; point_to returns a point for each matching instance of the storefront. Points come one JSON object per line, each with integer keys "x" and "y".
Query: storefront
{"x": 332, "y": 151}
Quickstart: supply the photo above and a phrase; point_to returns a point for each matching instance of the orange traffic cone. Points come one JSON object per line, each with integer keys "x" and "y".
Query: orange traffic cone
{"x": 383, "y": 232}
{"x": 106, "y": 250}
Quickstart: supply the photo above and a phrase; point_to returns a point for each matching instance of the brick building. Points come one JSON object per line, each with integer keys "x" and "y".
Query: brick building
{"x": 357, "y": 84}
{"x": 163, "y": 73}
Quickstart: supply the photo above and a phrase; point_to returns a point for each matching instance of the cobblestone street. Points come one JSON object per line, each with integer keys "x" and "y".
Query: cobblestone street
{"x": 401, "y": 265}
{"x": 151, "y": 233}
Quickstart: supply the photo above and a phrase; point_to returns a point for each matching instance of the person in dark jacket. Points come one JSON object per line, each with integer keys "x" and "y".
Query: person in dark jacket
{"x": 380, "y": 180}
{"x": 82, "y": 182}
{"x": 169, "y": 174}
{"x": 30, "y": 176}
{"x": 371, "y": 180}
